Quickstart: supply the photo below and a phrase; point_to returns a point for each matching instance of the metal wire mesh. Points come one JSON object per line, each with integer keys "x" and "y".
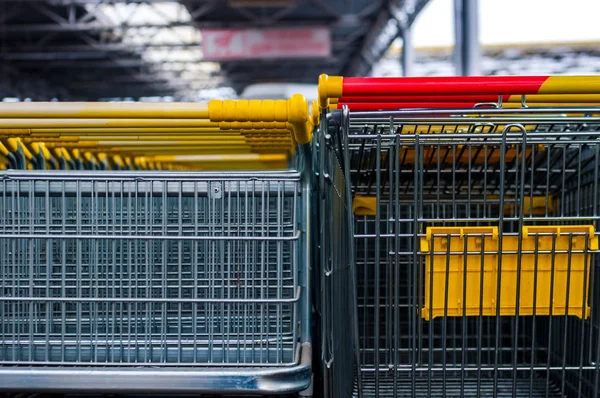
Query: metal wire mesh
{"x": 149, "y": 269}
{"x": 462, "y": 168}
{"x": 337, "y": 275}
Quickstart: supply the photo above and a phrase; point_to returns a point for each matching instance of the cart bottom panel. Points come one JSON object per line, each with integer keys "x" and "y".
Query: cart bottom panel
{"x": 457, "y": 387}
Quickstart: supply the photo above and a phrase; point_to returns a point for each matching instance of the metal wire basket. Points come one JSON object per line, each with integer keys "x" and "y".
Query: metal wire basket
{"x": 153, "y": 281}
{"x": 475, "y": 249}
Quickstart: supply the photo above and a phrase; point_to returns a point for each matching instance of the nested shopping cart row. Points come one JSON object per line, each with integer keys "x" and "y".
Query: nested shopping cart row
{"x": 474, "y": 209}
{"x": 117, "y": 276}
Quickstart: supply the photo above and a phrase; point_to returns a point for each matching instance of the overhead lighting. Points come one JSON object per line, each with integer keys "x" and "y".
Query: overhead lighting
{"x": 171, "y": 27}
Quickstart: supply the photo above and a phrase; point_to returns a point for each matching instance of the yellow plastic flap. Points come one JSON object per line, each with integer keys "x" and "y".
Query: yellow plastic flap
{"x": 552, "y": 261}
{"x": 364, "y": 205}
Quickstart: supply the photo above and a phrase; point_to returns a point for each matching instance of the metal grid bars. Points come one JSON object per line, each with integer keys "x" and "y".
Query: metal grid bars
{"x": 149, "y": 269}
{"x": 470, "y": 223}
{"x": 336, "y": 299}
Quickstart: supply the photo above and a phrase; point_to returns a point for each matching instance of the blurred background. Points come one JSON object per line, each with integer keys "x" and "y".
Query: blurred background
{"x": 193, "y": 50}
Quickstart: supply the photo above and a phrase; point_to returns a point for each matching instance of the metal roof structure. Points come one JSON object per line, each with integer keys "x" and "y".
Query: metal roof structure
{"x": 82, "y": 53}
{"x": 361, "y": 31}
{"x": 91, "y": 49}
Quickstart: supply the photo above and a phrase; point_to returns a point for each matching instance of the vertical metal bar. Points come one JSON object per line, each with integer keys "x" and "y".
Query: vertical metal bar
{"x": 417, "y": 190}
{"x": 49, "y": 269}
{"x": 467, "y": 49}
{"x": 31, "y": 269}
{"x": 584, "y": 307}
{"x": 421, "y": 268}
{"x": 95, "y": 266}
{"x": 464, "y": 350}
{"x": 63, "y": 304}
{"x": 351, "y": 243}
{"x": 566, "y": 317}
{"x": 499, "y": 272}
{"x": 221, "y": 269}
{"x": 377, "y": 266}
{"x": 139, "y": 309}
{"x": 78, "y": 276}
{"x": 194, "y": 318}
{"x": 408, "y": 52}
{"x": 521, "y": 198}
{"x": 264, "y": 322}
{"x": 445, "y": 318}
{"x": 253, "y": 253}
{"x": 551, "y": 312}
{"x": 179, "y": 210}
{"x": 389, "y": 298}
{"x": 325, "y": 272}
{"x": 480, "y": 320}
{"x": 397, "y": 231}
{"x": 279, "y": 278}
{"x": 16, "y": 209}
{"x": 534, "y": 323}
{"x": 4, "y": 249}
{"x": 594, "y": 268}
{"x": 164, "y": 265}
{"x": 430, "y": 353}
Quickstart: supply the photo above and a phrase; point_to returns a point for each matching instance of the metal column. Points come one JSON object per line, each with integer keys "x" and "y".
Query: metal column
{"x": 408, "y": 52}
{"x": 467, "y": 51}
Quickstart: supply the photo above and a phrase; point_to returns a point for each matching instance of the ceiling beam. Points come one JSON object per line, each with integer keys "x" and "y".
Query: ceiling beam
{"x": 96, "y": 2}
{"x": 100, "y": 64}
{"x": 83, "y": 27}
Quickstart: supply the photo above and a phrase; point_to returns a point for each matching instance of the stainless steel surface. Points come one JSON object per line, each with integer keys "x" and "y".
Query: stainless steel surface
{"x": 336, "y": 301}
{"x": 189, "y": 282}
{"x": 469, "y": 168}
{"x": 467, "y": 51}
{"x": 408, "y": 52}
{"x": 154, "y": 380}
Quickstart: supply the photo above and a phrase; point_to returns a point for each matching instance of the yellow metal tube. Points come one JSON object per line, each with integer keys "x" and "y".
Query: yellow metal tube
{"x": 107, "y": 110}
{"x": 102, "y": 123}
{"x": 93, "y": 146}
{"x": 14, "y": 132}
{"x": 72, "y": 138}
{"x": 222, "y": 158}
{"x": 250, "y": 165}
{"x": 127, "y": 130}
{"x": 136, "y": 139}
{"x": 145, "y": 144}
{"x": 172, "y": 151}
{"x": 147, "y": 138}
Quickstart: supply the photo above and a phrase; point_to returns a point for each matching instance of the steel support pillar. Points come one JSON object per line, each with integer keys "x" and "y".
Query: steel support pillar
{"x": 407, "y": 60}
{"x": 467, "y": 50}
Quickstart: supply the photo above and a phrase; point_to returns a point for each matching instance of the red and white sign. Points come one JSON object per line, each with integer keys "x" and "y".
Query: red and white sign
{"x": 228, "y": 44}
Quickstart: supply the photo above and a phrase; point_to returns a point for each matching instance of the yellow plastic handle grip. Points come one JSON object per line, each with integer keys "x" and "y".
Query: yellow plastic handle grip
{"x": 293, "y": 111}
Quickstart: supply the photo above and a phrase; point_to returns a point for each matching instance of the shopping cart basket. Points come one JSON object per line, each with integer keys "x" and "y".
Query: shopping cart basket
{"x": 475, "y": 241}
{"x": 152, "y": 281}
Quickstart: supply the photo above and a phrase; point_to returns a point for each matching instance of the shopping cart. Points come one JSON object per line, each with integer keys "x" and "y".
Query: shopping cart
{"x": 475, "y": 242}
{"x": 335, "y": 276}
{"x": 132, "y": 281}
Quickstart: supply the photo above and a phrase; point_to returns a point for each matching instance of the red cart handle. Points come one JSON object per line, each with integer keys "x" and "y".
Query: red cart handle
{"x": 336, "y": 86}
{"x": 530, "y": 99}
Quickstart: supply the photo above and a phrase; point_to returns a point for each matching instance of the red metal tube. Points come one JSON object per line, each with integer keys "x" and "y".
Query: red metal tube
{"x": 453, "y": 85}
